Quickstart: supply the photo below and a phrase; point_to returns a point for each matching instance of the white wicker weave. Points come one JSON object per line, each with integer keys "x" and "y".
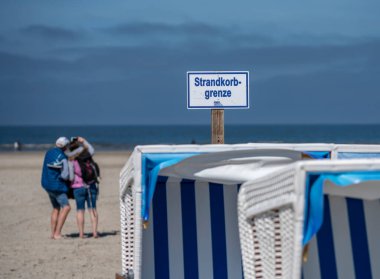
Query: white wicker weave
{"x": 267, "y": 224}
{"x": 271, "y": 215}
{"x": 130, "y": 212}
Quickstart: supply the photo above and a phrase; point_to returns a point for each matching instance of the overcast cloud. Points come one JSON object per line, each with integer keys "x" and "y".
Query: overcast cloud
{"x": 128, "y": 70}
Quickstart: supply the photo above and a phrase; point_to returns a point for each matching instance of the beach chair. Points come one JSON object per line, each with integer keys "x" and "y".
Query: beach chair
{"x": 173, "y": 192}
{"x": 139, "y": 250}
{"x": 281, "y": 212}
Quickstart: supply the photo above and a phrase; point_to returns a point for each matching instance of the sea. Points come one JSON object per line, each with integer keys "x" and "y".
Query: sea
{"x": 34, "y": 138}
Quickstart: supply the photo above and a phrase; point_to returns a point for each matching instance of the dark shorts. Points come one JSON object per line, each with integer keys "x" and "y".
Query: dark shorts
{"x": 58, "y": 200}
{"x": 85, "y": 195}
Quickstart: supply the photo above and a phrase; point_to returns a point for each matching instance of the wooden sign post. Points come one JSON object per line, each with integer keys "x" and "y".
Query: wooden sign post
{"x": 217, "y": 90}
{"x": 217, "y": 126}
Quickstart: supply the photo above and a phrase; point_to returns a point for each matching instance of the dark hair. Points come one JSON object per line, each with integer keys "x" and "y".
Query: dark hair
{"x": 73, "y": 145}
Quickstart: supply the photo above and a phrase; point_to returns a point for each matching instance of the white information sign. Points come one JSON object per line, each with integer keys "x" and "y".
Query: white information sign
{"x": 218, "y": 90}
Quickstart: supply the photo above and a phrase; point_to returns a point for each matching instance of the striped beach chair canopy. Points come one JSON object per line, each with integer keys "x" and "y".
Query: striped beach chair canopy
{"x": 186, "y": 199}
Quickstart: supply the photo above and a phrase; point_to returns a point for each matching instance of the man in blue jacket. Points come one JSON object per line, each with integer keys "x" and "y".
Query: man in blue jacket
{"x": 55, "y": 176}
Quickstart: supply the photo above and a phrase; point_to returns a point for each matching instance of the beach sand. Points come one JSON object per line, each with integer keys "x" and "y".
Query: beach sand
{"x": 25, "y": 248}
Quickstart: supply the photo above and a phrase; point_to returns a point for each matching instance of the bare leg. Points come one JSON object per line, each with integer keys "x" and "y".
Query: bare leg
{"x": 53, "y": 221}
{"x": 94, "y": 221}
{"x": 80, "y": 222}
{"x": 61, "y": 221}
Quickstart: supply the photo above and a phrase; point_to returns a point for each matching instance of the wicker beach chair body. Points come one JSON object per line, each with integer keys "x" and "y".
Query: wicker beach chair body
{"x": 272, "y": 214}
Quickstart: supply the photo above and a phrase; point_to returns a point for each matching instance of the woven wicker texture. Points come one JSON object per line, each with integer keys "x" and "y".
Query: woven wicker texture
{"x": 130, "y": 208}
{"x": 267, "y": 238}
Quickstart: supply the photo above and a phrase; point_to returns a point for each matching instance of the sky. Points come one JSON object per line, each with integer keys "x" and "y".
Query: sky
{"x": 80, "y": 62}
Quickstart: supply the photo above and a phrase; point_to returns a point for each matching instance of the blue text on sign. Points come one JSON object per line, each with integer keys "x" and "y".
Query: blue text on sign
{"x": 216, "y": 82}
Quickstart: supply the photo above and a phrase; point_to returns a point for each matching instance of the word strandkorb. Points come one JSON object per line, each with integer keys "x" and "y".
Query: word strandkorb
{"x": 222, "y": 90}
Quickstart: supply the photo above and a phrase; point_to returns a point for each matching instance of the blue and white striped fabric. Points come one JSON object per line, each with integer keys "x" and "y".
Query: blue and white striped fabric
{"x": 347, "y": 245}
{"x": 193, "y": 232}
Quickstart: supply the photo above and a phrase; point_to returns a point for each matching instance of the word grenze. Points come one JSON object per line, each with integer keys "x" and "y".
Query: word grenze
{"x": 220, "y": 82}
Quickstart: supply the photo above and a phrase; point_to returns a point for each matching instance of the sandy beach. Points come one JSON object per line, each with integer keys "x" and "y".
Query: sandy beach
{"x": 26, "y": 250}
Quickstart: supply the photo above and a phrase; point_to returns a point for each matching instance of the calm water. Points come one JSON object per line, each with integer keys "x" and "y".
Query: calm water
{"x": 126, "y": 137}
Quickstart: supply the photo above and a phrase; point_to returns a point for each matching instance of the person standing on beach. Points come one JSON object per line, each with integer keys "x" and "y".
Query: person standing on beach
{"x": 55, "y": 176}
{"x": 85, "y": 191}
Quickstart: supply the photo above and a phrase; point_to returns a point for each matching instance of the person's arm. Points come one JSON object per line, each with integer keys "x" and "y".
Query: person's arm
{"x": 89, "y": 147}
{"x": 75, "y": 152}
{"x": 71, "y": 170}
{"x": 84, "y": 144}
{"x": 65, "y": 170}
